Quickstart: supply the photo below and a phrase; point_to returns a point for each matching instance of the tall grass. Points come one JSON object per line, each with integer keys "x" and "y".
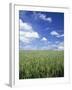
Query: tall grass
{"x": 41, "y": 64}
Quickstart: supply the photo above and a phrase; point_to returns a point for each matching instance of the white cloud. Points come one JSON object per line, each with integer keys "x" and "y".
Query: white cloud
{"x": 35, "y": 15}
{"x": 56, "y": 42}
{"x": 58, "y": 46}
{"x": 60, "y": 36}
{"x": 47, "y": 28}
{"x": 25, "y": 26}
{"x": 44, "y": 17}
{"x": 30, "y": 47}
{"x": 43, "y": 39}
{"x": 54, "y": 33}
{"x": 49, "y": 19}
{"x": 24, "y": 39}
{"x": 32, "y": 34}
{"x": 61, "y": 46}
{"x": 51, "y": 46}
{"x": 27, "y": 34}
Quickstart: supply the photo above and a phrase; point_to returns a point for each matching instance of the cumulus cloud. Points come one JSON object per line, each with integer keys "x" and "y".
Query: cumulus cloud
{"x": 43, "y": 39}
{"x": 24, "y": 39}
{"x": 49, "y": 19}
{"x": 27, "y": 34}
{"x": 54, "y": 33}
{"x": 25, "y": 26}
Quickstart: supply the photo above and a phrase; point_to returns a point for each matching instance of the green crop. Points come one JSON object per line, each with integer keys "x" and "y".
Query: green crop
{"x": 41, "y": 64}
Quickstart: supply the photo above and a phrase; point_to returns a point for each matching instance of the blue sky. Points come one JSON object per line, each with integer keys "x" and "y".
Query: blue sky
{"x": 41, "y": 30}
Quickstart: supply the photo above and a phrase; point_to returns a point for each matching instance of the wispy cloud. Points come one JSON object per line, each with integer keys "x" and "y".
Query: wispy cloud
{"x": 54, "y": 33}
{"x": 44, "y": 17}
{"x": 57, "y": 42}
{"x": 62, "y": 35}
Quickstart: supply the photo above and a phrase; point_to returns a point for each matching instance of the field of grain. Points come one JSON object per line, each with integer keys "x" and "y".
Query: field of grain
{"x": 41, "y": 64}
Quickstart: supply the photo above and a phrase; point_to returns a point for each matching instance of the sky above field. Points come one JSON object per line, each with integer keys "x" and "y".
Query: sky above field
{"x": 41, "y": 30}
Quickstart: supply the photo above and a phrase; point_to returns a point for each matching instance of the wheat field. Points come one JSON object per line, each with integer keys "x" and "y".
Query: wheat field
{"x": 41, "y": 64}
